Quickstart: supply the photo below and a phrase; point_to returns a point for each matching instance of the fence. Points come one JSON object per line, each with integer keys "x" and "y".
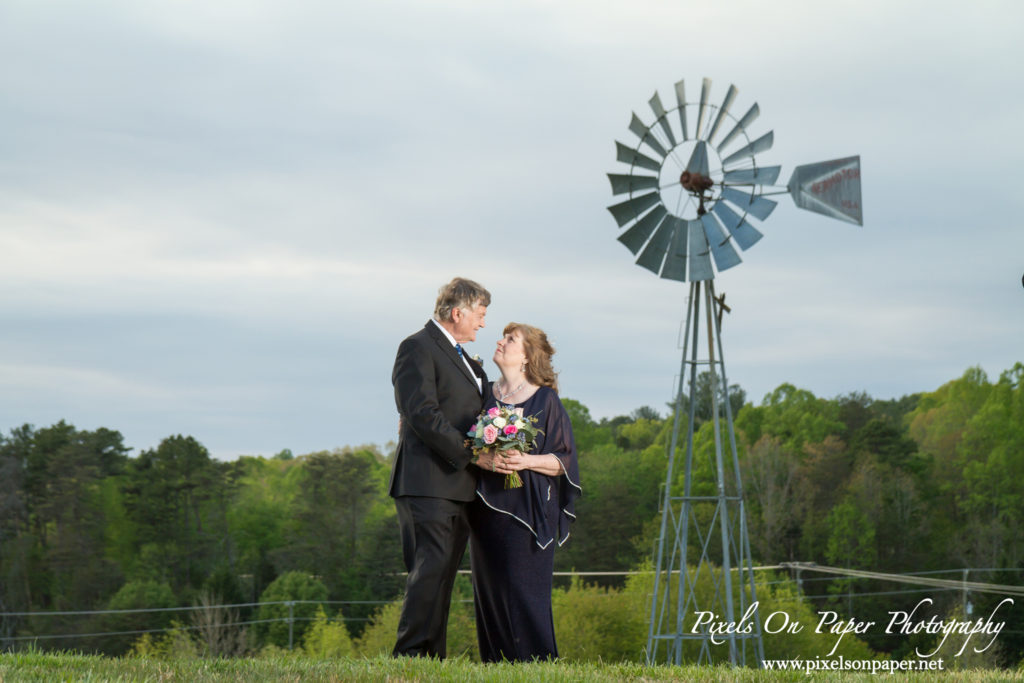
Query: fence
{"x": 796, "y": 569}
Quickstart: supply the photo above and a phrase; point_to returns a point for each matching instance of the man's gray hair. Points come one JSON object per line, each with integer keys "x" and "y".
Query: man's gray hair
{"x": 459, "y": 293}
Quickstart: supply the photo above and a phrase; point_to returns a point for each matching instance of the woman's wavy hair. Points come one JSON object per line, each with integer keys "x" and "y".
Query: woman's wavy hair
{"x": 538, "y": 355}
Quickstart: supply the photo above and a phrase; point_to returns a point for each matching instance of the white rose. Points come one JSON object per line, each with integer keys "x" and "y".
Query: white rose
{"x": 499, "y": 422}
{"x": 520, "y": 424}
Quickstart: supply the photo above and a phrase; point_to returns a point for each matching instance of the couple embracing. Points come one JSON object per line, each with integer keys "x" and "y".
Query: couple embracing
{"x": 445, "y": 495}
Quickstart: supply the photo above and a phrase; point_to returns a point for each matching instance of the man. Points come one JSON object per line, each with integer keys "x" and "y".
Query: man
{"x": 439, "y": 393}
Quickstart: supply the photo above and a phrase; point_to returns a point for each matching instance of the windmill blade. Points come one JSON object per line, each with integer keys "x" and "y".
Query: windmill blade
{"x": 723, "y": 111}
{"x": 621, "y": 184}
{"x": 721, "y": 248}
{"x": 631, "y": 209}
{"x": 831, "y": 188}
{"x": 699, "y": 159}
{"x": 765, "y": 175}
{"x": 740, "y": 126}
{"x": 636, "y": 236}
{"x": 662, "y": 116}
{"x": 744, "y": 234}
{"x": 629, "y": 155}
{"x": 642, "y": 131}
{"x": 681, "y": 99}
{"x": 762, "y": 144}
{"x": 675, "y": 259}
{"x": 756, "y": 205}
{"x": 654, "y": 253}
{"x": 705, "y": 93}
{"x": 699, "y": 258}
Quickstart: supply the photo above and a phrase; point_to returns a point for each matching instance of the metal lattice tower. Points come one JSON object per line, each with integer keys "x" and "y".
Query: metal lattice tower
{"x": 703, "y": 556}
{"x": 693, "y": 213}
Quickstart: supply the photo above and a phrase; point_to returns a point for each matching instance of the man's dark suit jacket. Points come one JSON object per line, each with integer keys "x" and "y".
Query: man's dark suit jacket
{"x": 438, "y": 400}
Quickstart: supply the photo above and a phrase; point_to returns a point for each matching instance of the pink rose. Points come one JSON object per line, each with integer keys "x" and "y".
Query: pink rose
{"x": 510, "y": 429}
{"x": 472, "y": 430}
{"x": 494, "y": 412}
{"x": 490, "y": 434}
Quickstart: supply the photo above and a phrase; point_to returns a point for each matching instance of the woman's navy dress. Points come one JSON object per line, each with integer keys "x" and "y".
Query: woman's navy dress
{"x": 513, "y": 539}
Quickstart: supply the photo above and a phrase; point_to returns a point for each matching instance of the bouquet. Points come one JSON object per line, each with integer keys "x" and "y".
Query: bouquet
{"x": 504, "y": 428}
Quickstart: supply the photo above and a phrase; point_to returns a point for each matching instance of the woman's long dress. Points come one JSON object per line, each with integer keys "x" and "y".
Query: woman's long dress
{"x": 513, "y": 539}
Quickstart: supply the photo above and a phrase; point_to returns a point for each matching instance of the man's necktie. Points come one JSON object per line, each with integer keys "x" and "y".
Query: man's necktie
{"x": 458, "y": 349}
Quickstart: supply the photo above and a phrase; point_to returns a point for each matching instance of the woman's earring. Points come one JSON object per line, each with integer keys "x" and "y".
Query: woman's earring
{"x": 522, "y": 368}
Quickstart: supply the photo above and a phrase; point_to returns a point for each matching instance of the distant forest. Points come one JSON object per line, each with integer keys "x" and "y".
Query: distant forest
{"x": 930, "y": 481}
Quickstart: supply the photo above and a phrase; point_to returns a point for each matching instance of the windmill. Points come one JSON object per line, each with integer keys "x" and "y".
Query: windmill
{"x": 693, "y": 192}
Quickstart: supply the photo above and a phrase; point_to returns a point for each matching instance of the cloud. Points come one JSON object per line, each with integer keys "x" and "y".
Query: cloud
{"x": 221, "y": 219}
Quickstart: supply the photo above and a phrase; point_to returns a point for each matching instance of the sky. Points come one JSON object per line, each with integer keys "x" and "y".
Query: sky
{"x": 220, "y": 219}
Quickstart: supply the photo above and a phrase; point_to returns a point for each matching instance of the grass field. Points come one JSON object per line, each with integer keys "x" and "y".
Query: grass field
{"x": 71, "y": 667}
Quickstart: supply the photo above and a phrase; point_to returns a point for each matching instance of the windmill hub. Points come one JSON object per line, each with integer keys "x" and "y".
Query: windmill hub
{"x": 690, "y": 179}
{"x": 695, "y": 182}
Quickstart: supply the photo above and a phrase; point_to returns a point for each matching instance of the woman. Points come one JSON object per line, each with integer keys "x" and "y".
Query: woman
{"x": 515, "y": 531}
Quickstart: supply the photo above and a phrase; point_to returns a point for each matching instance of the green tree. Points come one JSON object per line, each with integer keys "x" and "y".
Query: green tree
{"x": 824, "y": 468}
{"x": 15, "y": 541}
{"x": 703, "y": 408}
{"x": 133, "y": 596}
{"x": 940, "y": 418}
{"x": 992, "y": 454}
{"x": 585, "y": 431}
{"x": 259, "y": 516}
{"x": 178, "y": 497}
{"x": 852, "y": 541}
{"x": 52, "y": 533}
{"x": 72, "y": 512}
{"x": 795, "y": 416}
{"x": 344, "y": 527}
{"x": 850, "y": 544}
{"x": 646, "y": 413}
{"x": 889, "y": 444}
{"x": 770, "y": 479}
{"x": 641, "y": 433}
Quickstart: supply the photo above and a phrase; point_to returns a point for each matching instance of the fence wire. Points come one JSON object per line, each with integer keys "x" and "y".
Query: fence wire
{"x": 915, "y": 578}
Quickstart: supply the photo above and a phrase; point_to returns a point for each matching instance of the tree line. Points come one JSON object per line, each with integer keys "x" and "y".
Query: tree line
{"x": 926, "y": 482}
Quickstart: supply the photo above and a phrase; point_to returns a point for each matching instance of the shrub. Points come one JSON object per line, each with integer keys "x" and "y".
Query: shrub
{"x": 594, "y": 623}
{"x": 327, "y": 638}
{"x": 174, "y": 643}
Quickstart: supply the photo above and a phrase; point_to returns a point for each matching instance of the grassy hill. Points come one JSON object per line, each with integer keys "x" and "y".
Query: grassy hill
{"x": 74, "y": 667}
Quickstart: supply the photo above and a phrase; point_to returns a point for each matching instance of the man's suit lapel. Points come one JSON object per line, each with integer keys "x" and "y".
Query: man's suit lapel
{"x": 449, "y": 350}
{"x": 478, "y": 369}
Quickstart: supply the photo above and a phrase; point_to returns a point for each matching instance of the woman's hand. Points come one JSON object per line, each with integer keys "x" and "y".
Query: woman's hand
{"x": 511, "y": 461}
{"x": 503, "y": 462}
